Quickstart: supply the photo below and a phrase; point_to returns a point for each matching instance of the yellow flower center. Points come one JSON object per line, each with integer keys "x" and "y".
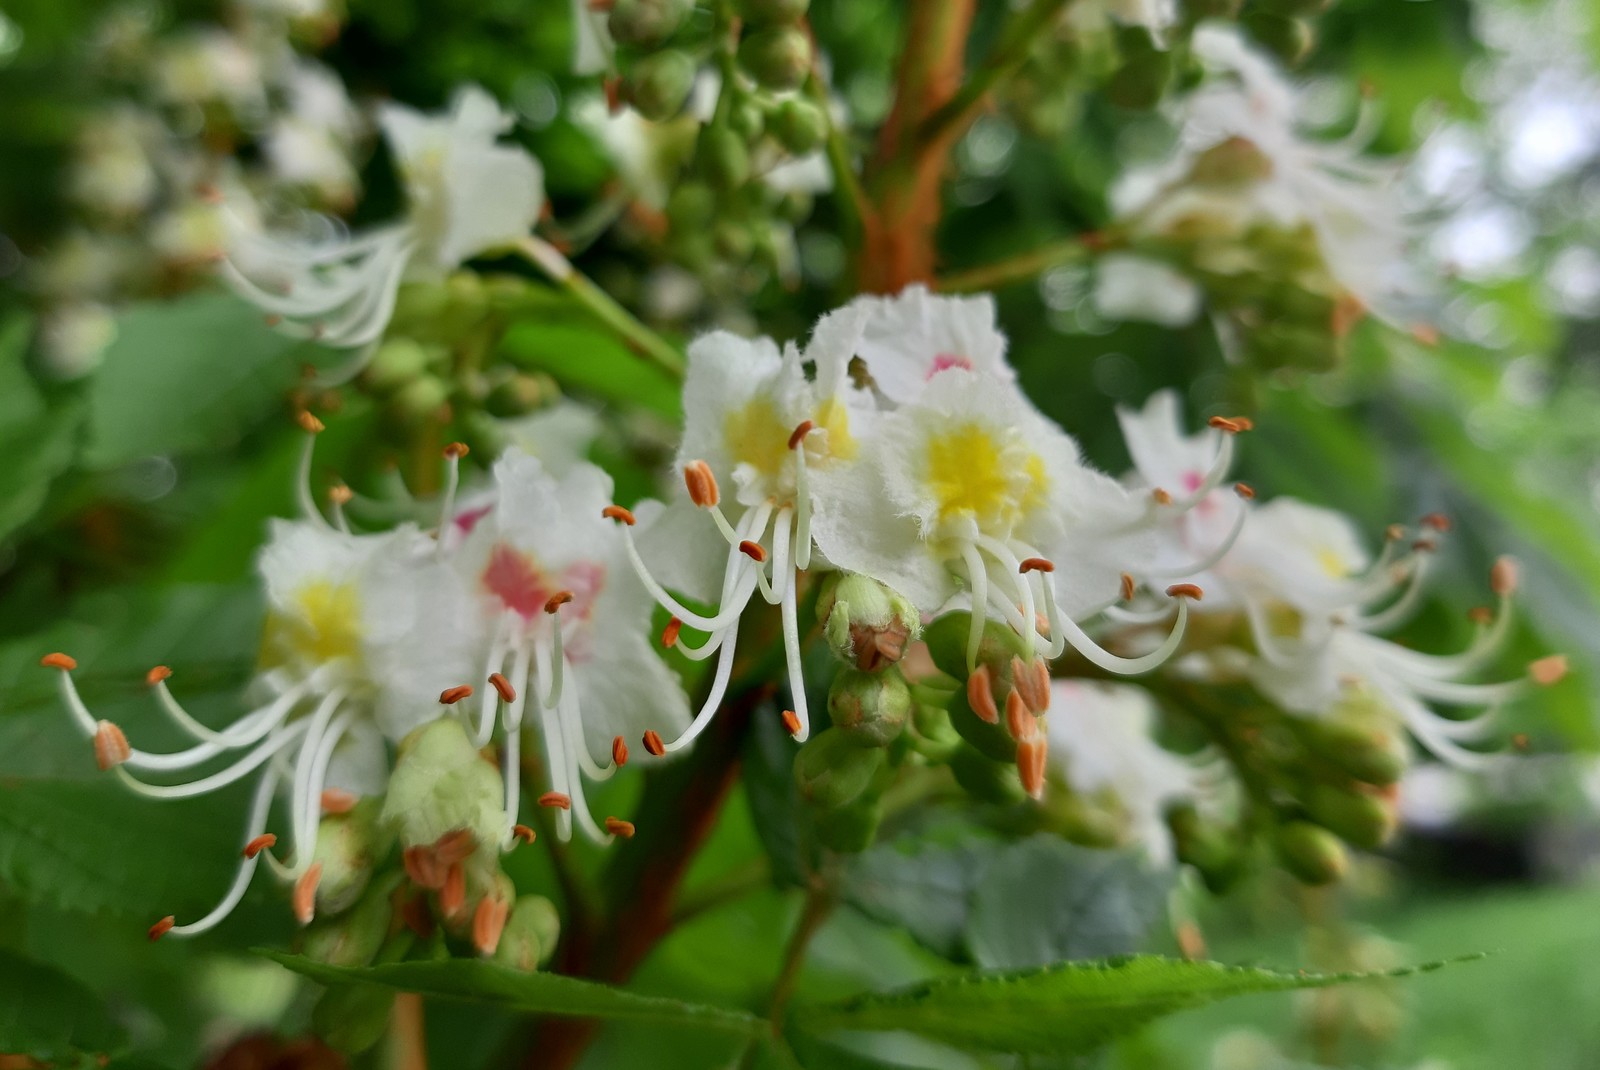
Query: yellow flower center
{"x": 327, "y": 625}
{"x": 971, "y": 472}
{"x": 755, "y": 435}
{"x": 834, "y": 418}
{"x": 1331, "y": 563}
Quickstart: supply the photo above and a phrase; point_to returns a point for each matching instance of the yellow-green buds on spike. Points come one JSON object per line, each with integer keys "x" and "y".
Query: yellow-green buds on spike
{"x": 867, "y": 625}
{"x": 659, "y": 83}
{"x": 441, "y": 787}
{"x": 348, "y": 845}
{"x": 646, "y": 23}
{"x": 1362, "y": 818}
{"x": 1310, "y": 852}
{"x": 832, "y": 770}
{"x": 869, "y": 708}
{"x": 530, "y": 934}
{"x": 798, "y": 125}
{"x": 778, "y": 57}
{"x": 723, "y": 158}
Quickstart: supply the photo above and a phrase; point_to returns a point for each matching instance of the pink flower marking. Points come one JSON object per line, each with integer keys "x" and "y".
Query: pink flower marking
{"x": 946, "y": 361}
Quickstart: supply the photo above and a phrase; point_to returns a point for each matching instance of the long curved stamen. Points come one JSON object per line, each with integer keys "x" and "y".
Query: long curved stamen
{"x": 726, "y": 616}
{"x": 978, "y": 583}
{"x": 791, "y": 652}
{"x": 312, "y": 809}
{"x": 733, "y": 575}
{"x": 220, "y": 779}
{"x": 1137, "y": 617}
{"x": 572, "y": 724}
{"x": 713, "y": 702}
{"x": 338, "y": 496}
{"x": 1451, "y": 692}
{"x": 498, "y": 648}
{"x": 559, "y": 768}
{"x": 302, "y": 481}
{"x": 782, "y": 574}
{"x": 1402, "y": 608}
{"x": 1058, "y": 639}
{"x": 558, "y": 657}
{"x": 300, "y": 800}
{"x": 1103, "y": 658}
{"x": 1013, "y": 577}
{"x": 802, "y": 497}
{"x": 255, "y": 825}
{"x": 247, "y": 729}
{"x": 1425, "y": 726}
{"x": 447, "y": 502}
{"x": 1484, "y": 646}
{"x": 511, "y": 777}
{"x": 1216, "y": 554}
{"x": 521, "y": 666}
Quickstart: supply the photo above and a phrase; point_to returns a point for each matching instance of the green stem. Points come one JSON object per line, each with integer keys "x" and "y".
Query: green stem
{"x": 851, "y": 197}
{"x": 1021, "y": 268}
{"x": 641, "y": 339}
{"x": 819, "y": 903}
{"x": 952, "y": 119}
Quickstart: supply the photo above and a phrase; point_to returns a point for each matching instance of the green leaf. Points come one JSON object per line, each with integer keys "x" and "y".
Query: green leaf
{"x": 1066, "y": 1009}
{"x": 48, "y": 1014}
{"x": 187, "y": 375}
{"x": 536, "y": 993}
{"x": 586, "y": 358}
{"x": 38, "y": 435}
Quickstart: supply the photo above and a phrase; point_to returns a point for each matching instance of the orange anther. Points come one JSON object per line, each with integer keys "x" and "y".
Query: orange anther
{"x": 557, "y": 600}
{"x": 753, "y": 550}
{"x": 669, "y": 634}
{"x": 1231, "y": 424}
{"x": 454, "y": 846}
{"x": 1394, "y": 532}
{"x": 619, "y": 751}
{"x": 617, "y": 512}
{"x": 1244, "y": 490}
{"x": 1019, "y": 722}
{"x": 555, "y": 799}
{"x": 452, "y": 695}
{"x": 304, "y": 897}
{"x": 1185, "y": 590}
{"x": 1424, "y": 546}
{"x": 488, "y": 922}
{"x": 422, "y": 867}
{"x": 1520, "y": 741}
{"x": 980, "y": 695}
{"x": 791, "y": 722}
{"x": 618, "y": 827}
{"x": 339, "y": 494}
{"x": 523, "y": 833}
{"x": 502, "y": 687}
{"x": 652, "y": 743}
{"x": 456, "y": 450}
{"x": 59, "y": 660}
{"x": 1036, "y": 564}
{"x": 308, "y": 422}
{"x": 1032, "y": 681}
{"x": 1161, "y": 496}
{"x": 1437, "y": 521}
{"x": 1031, "y": 755}
{"x": 1503, "y": 576}
{"x": 110, "y": 746}
{"x": 335, "y": 801}
{"x": 259, "y": 844}
{"x": 701, "y": 483}
{"x": 453, "y": 896}
{"x": 1128, "y": 587}
{"x": 798, "y": 435}
{"x": 1480, "y": 615}
{"x": 1425, "y": 333}
{"x": 156, "y": 675}
{"x": 162, "y": 927}
{"x": 1548, "y": 670}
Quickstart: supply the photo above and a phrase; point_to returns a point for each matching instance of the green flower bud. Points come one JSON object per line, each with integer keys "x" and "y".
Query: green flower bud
{"x": 870, "y": 708}
{"x": 352, "y": 1018}
{"x": 832, "y": 770}
{"x": 867, "y": 625}
{"x": 747, "y": 120}
{"x": 986, "y": 779}
{"x": 467, "y": 293}
{"x": 778, "y": 57}
{"x": 355, "y": 938}
{"x": 441, "y": 784}
{"x": 530, "y": 935}
{"x": 1312, "y": 853}
{"x": 798, "y": 125}
{"x": 658, "y": 84}
{"x": 395, "y": 363}
{"x": 691, "y": 206}
{"x": 734, "y": 240}
{"x": 851, "y": 829}
{"x": 646, "y": 23}
{"x": 348, "y": 845}
{"x": 1235, "y": 162}
{"x": 775, "y": 10}
{"x": 1288, "y": 38}
{"x": 1361, "y": 818}
{"x": 519, "y": 393}
{"x": 723, "y": 158}
{"x": 1361, "y": 738}
{"x": 419, "y": 401}
{"x": 1205, "y": 846}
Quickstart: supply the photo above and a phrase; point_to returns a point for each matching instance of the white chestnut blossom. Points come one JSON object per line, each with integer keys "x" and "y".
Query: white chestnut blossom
{"x": 1101, "y": 744}
{"x": 466, "y": 195}
{"x": 559, "y": 623}
{"x": 349, "y": 655}
{"x": 1289, "y": 176}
